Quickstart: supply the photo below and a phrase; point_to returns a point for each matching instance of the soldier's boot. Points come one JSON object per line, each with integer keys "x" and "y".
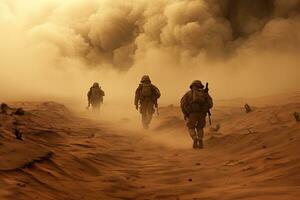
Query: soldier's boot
{"x": 193, "y": 134}
{"x": 200, "y": 134}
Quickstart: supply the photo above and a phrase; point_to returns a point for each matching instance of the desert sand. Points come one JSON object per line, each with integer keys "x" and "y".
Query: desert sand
{"x": 69, "y": 156}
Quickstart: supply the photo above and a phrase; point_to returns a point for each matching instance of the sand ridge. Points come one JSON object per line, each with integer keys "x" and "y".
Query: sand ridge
{"x": 63, "y": 156}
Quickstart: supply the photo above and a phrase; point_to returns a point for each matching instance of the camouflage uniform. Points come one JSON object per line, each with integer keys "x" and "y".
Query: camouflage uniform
{"x": 146, "y": 103}
{"x": 95, "y": 97}
{"x": 195, "y": 114}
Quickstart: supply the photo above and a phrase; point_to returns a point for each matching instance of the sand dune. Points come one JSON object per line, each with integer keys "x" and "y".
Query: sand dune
{"x": 63, "y": 156}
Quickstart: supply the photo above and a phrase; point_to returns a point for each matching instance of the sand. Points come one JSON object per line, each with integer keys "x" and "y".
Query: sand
{"x": 65, "y": 156}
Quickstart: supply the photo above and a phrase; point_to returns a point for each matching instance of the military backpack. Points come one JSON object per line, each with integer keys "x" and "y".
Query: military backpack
{"x": 198, "y": 101}
{"x": 146, "y": 90}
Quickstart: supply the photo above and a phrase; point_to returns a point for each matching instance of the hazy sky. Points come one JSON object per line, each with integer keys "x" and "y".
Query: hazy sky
{"x": 54, "y": 49}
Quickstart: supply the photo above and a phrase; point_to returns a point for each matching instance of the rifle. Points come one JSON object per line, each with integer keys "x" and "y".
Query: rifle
{"x": 208, "y": 112}
{"x": 156, "y": 106}
{"x": 209, "y": 116}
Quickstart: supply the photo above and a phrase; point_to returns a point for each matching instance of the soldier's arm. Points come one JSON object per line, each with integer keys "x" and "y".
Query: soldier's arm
{"x": 158, "y": 94}
{"x": 137, "y": 96}
{"x": 183, "y": 104}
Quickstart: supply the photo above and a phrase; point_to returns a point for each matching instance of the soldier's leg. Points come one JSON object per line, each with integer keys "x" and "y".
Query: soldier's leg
{"x": 150, "y": 112}
{"x": 191, "y": 124}
{"x": 193, "y": 135}
{"x": 96, "y": 107}
{"x": 145, "y": 120}
{"x": 149, "y": 118}
{"x": 143, "y": 111}
{"x": 200, "y": 133}
{"x": 147, "y": 114}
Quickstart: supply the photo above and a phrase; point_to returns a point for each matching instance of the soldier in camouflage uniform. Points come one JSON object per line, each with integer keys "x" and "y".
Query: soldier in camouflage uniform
{"x": 95, "y": 97}
{"x": 146, "y": 97}
{"x": 195, "y": 104}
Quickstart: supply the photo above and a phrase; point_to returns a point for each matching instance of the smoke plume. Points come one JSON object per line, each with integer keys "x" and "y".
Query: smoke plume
{"x": 53, "y": 48}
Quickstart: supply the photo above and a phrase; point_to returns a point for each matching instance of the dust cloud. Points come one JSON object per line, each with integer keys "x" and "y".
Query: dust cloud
{"x": 55, "y": 50}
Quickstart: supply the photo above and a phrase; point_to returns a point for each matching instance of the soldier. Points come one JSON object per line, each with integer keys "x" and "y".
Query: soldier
{"x": 95, "y": 97}
{"x": 195, "y": 105}
{"x": 146, "y": 96}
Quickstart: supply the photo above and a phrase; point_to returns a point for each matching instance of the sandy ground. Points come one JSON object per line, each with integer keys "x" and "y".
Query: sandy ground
{"x": 63, "y": 156}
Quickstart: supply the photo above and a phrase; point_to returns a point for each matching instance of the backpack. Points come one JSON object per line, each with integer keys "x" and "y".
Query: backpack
{"x": 198, "y": 101}
{"x": 96, "y": 94}
{"x": 146, "y": 90}
{"x": 198, "y": 97}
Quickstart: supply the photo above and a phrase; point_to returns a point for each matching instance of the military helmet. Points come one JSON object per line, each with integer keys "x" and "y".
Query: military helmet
{"x": 96, "y": 84}
{"x": 145, "y": 79}
{"x": 197, "y": 84}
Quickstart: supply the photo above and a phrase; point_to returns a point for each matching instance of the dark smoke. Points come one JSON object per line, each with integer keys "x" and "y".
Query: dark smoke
{"x": 219, "y": 28}
{"x": 242, "y": 44}
{"x": 114, "y": 32}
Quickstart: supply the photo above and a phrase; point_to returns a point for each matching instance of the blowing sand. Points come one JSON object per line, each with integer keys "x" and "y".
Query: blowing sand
{"x": 64, "y": 156}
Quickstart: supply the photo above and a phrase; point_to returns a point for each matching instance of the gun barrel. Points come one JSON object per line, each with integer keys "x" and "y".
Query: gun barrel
{"x": 209, "y": 118}
{"x": 208, "y": 112}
